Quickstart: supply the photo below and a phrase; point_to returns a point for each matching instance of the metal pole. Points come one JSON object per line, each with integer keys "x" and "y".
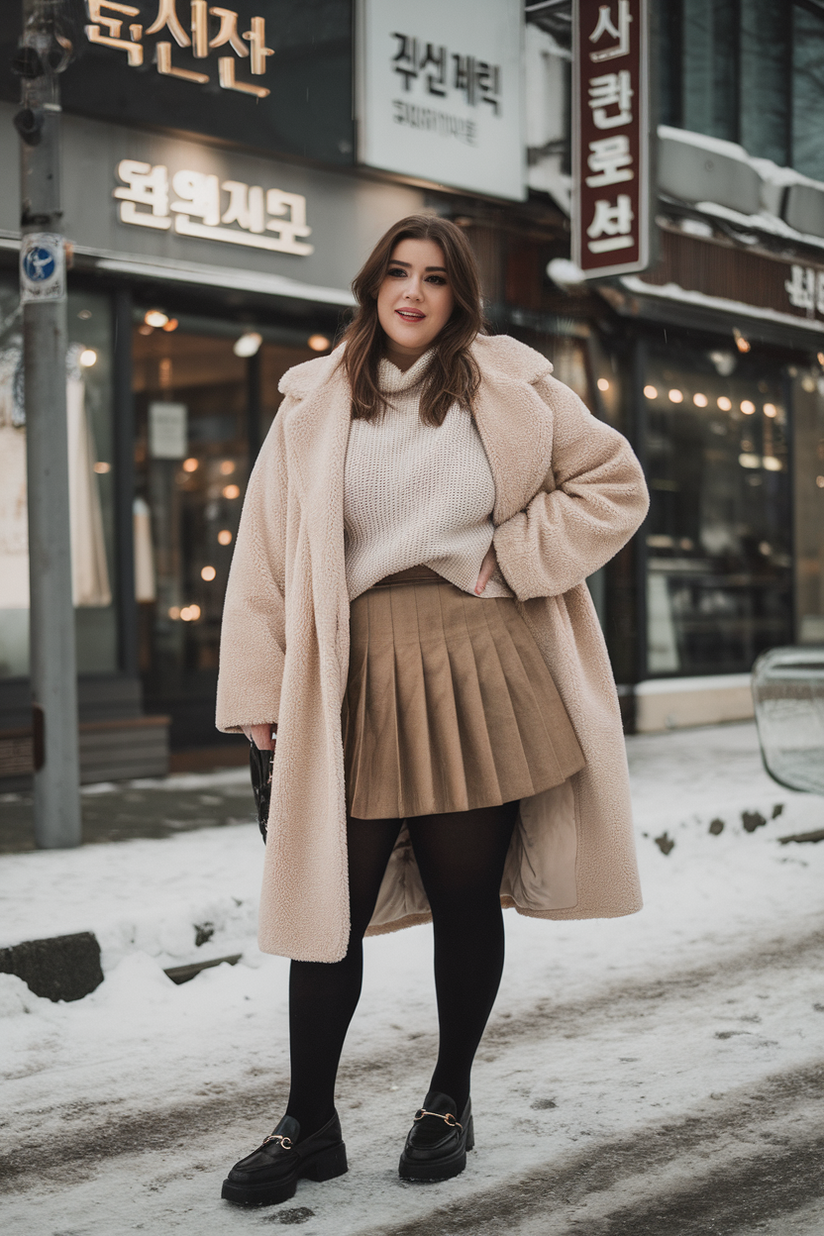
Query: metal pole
{"x": 40, "y": 57}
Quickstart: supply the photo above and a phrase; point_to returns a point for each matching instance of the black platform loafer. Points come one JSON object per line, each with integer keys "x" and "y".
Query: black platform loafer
{"x": 271, "y": 1173}
{"x": 437, "y": 1143}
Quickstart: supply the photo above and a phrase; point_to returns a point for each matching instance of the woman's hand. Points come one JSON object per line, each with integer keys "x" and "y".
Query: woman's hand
{"x": 488, "y": 568}
{"x": 263, "y": 736}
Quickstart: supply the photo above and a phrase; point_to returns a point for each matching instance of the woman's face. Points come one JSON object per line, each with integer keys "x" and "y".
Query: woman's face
{"x": 415, "y": 300}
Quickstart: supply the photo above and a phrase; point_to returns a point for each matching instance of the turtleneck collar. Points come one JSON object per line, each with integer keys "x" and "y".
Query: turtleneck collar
{"x": 392, "y": 380}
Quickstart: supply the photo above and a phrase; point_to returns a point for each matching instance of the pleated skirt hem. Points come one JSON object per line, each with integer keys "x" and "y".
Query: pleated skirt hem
{"x": 449, "y": 705}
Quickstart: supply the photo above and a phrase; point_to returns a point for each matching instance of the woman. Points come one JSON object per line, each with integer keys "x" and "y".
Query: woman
{"x": 407, "y": 609}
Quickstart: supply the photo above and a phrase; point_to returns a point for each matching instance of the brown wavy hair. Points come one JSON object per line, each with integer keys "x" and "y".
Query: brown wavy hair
{"x": 453, "y": 376}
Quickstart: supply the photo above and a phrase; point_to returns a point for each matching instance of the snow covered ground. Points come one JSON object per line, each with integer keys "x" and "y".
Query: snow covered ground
{"x": 659, "y": 1075}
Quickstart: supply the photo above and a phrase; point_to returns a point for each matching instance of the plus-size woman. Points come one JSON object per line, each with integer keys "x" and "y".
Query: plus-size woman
{"x": 407, "y": 612}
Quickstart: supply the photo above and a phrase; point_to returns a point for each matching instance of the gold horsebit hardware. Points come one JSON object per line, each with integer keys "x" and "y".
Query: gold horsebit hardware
{"x": 448, "y": 1119}
{"x": 286, "y": 1142}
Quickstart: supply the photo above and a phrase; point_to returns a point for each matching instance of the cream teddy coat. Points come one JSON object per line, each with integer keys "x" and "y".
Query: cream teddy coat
{"x": 569, "y": 493}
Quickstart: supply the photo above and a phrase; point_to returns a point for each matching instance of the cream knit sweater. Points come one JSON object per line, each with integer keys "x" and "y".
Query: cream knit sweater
{"x": 416, "y": 494}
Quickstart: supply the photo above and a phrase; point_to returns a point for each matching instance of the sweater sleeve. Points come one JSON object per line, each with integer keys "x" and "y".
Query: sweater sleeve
{"x": 592, "y": 500}
{"x": 253, "y": 634}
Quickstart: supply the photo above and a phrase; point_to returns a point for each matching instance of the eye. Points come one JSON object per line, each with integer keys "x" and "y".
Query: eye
{"x": 439, "y": 279}
{"x": 396, "y": 272}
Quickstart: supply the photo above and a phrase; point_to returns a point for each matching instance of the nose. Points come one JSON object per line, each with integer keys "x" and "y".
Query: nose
{"x": 413, "y": 291}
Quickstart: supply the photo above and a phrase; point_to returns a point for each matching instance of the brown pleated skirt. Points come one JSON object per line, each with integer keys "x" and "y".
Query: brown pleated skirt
{"x": 449, "y": 704}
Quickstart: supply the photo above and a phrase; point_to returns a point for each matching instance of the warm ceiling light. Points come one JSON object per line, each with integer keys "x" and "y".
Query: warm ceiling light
{"x": 770, "y": 409}
{"x": 208, "y": 572}
{"x": 190, "y": 613}
{"x": 174, "y": 613}
{"x": 102, "y": 468}
{"x": 190, "y": 465}
{"x": 231, "y": 491}
{"x": 772, "y": 464}
{"x": 155, "y": 317}
{"x": 172, "y": 324}
{"x": 650, "y": 392}
{"x": 227, "y": 467}
{"x": 224, "y": 537}
{"x": 88, "y": 357}
{"x": 248, "y": 344}
{"x": 603, "y": 384}
{"x": 318, "y": 343}
{"x": 676, "y": 396}
{"x": 700, "y": 400}
{"x": 747, "y": 407}
{"x": 724, "y": 403}
{"x": 742, "y": 343}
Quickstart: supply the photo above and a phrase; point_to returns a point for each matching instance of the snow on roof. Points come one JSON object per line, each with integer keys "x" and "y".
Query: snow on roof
{"x": 672, "y": 291}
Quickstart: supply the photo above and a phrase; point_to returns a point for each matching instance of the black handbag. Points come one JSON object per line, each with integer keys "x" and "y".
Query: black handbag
{"x": 260, "y": 766}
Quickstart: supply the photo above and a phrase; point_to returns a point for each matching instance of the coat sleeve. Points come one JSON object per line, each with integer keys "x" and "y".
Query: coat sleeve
{"x": 253, "y": 634}
{"x": 592, "y": 500}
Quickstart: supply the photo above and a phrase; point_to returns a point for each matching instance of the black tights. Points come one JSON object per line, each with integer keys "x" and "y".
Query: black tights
{"x": 461, "y": 858}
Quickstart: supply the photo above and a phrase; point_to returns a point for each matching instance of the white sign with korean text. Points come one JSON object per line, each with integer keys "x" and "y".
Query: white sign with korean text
{"x": 439, "y": 93}
{"x": 202, "y": 205}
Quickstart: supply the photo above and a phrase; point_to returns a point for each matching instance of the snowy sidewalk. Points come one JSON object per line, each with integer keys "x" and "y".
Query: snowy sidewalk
{"x": 628, "y": 1062}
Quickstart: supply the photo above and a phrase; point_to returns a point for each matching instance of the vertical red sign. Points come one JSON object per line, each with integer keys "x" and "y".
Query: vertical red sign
{"x": 610, "y": 137}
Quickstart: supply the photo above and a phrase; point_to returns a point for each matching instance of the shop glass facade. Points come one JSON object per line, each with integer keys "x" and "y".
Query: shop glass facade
{"x": 719, "y": 535}
{"x": 89, "y": 380}
{"x": 201, "y": 411}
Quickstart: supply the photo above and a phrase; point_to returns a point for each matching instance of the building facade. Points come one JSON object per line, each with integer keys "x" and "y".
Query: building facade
{"x": 218, "y": 201}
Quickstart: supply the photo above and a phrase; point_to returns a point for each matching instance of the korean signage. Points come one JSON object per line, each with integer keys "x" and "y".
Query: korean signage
{"x": 610, "y": 220}
{"x": 205, "y": 206}
{"x": 439, "y": 89}
{"x": 118, "y": 26}
{"x": 267, "y": 74}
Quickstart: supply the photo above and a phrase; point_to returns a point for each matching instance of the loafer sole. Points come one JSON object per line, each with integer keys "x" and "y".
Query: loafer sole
{"x": 319, "y": 1167}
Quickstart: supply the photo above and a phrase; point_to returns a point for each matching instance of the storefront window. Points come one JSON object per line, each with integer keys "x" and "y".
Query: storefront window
{"x": 808, "y": 443}
{"x": 719, "y": 579}
{"x": 89, "y": 408}
{"x": 201, "y": 397}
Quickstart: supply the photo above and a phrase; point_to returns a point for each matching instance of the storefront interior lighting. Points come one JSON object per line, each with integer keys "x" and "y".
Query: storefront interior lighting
{"x": 770, "y": 409}
{"x": 190, "y": 465}
{"x": 248, "y": 344}
{"x": 747, "y": 407}
{"x": 819, "y": 481}
{"x": 155, "y": 318}
{"x": 172, "y": 324}
{"x": 650, "y": 392}
{"x": 749, "y": 461}
{"x": 318, "y": 343}
{"x": 231, "y": 491}
{"x": 208, "y": 573}
{"x": 101, "y": 467}
{"x": 743, "y": 344}
{"x": 227, "y": 467}
{"x": 85, "y": 314}
{"x": 772, "y": 464}
{"x": 820, "y": 358}
{"x": 603, "y": 384}
{"x": 224, "y": 537}
{"x": 190, "y": 613}
{"x": 724, "y": 403}
{"x": 174, "y": 612}
{"x": 700, "y": 400}
{"x": 676, "y": 396}
{"x": 88, "y": 357}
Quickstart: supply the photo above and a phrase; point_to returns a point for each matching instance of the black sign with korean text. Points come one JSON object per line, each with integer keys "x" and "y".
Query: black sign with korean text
{"x": 611, "y": 222}
{"x": 272, "y": 75}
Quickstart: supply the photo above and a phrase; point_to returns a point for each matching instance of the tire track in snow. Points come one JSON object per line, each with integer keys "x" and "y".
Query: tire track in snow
{"x": 635, "y": 1186}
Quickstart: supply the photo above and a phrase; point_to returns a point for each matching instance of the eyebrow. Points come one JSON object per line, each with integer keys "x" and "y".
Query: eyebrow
{"x": 394, "y": 262}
